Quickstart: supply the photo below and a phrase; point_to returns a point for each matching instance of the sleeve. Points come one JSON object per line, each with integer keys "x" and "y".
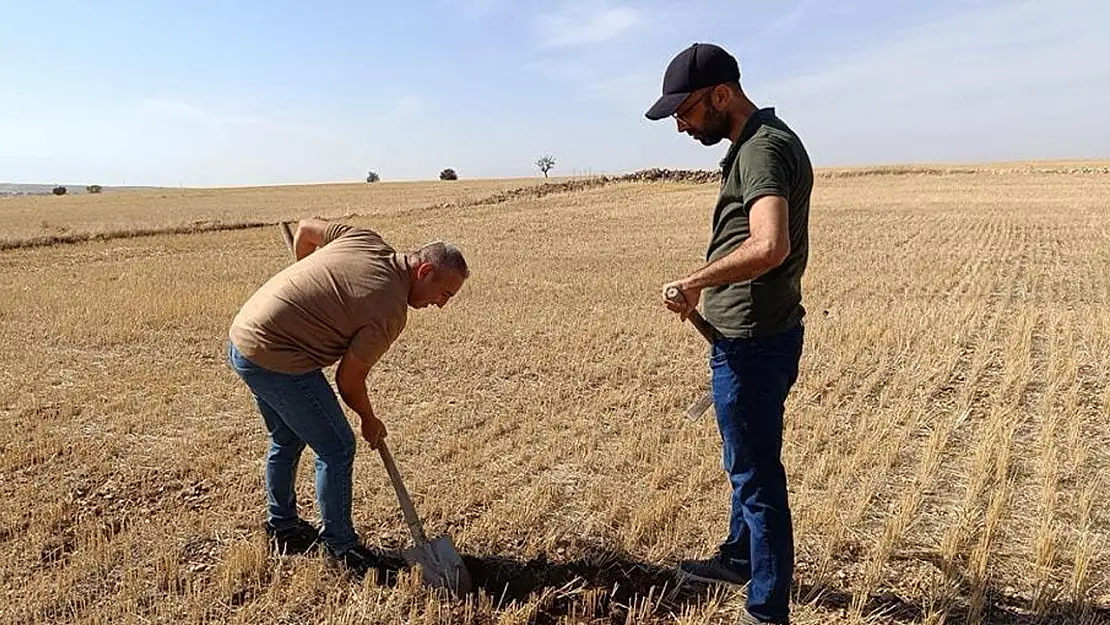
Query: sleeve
{"x": 370, "y": 343}
{"x": 373, "y": 340}
{"x": 764, "y": 170}
{"x": 334, "y": 230}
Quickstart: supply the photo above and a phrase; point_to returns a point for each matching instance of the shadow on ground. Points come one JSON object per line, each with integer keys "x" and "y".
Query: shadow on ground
{"x": 604, "y": 586}
{"x": 607, "y": 586}
{"x": 999, "y": 608}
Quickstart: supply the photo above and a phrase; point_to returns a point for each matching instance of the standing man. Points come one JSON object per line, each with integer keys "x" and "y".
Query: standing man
{"x": 751, "y": 288}
{"x": 346, "y": 299}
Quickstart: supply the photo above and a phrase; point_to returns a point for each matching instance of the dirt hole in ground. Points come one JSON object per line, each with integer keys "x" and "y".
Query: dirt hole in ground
{"x": 603, "y": 588}
{"x": 598, "y": 588}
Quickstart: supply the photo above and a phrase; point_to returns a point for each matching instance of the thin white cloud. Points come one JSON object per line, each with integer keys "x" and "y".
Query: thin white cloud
{"x": 790, "y": 20}
{"x": 1014, "y": 80}
{"x": 173, "y": 107}
{"x": 581, "y": 23}
{"x": 635, "y": 89}
{"x": 587, "y": 82}
{"x": 477, "y": 8}
{"x": 187, "y": 111}
{"x": 406, "y": 108}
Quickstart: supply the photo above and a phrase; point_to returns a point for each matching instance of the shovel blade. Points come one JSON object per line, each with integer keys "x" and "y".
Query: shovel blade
{"x": 441, "y": 565}
{"x": 697, "y": 408}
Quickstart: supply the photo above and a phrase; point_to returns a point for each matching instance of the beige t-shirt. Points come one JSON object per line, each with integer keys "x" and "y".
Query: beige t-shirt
{"x": 349, "y": 294}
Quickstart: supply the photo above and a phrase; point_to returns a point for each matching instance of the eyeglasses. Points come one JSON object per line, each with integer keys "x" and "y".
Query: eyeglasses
{"x": 689, "y": 104}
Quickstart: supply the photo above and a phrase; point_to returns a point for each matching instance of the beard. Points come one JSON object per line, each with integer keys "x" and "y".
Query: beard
{"x": 715, "y": 128}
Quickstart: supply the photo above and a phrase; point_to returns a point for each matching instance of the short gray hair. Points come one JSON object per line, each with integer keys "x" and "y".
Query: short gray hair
{"x": 444, "y": 256}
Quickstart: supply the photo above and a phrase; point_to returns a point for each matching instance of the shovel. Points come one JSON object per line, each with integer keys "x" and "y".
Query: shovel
{"x": 711, "y": 334}
{"x": 440, "y": 563}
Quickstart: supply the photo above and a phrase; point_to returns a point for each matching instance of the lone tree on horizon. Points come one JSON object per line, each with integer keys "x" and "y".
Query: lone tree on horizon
{"x": 545, "y": 163}
{"x": 372, "y": 176}
{"x": 448, "y": 174}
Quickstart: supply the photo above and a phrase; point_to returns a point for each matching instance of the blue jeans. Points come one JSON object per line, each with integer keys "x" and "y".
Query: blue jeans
{"x": 751, "y": 379}
{"x": 298, "y": 410}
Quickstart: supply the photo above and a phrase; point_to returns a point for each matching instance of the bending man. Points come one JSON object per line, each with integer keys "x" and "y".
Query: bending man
{"x": 345, "y": 300}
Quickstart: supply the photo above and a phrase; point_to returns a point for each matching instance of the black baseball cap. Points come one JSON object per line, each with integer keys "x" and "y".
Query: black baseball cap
{"x": 700, "y": 65}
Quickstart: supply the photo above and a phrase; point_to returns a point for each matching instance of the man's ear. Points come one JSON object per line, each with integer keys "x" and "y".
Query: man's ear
{"x": 721, "y": 96}
{"x": 423, "y": 270}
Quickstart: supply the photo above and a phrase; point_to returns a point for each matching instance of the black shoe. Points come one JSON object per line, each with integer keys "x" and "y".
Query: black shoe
{"x": 713, "y": 570}
{"x": 300, "y": 538}
{"x": 360, "y": 560}
{"x": 747, "y": 619}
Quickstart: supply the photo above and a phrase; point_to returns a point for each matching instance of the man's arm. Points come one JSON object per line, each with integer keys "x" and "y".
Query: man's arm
{"x": 309, "y": 236}
{"x": 350, "y": 378}
{"x": 766, "y": 247}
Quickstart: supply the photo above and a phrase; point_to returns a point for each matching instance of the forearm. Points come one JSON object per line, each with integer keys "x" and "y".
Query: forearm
{"x": 357, "y": 399}
{"x": 752, "y": 259}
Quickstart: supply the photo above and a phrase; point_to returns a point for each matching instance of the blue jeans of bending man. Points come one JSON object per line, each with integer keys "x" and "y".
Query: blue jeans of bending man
{"x": 751, "y": 380}
{"x": 301, "y": 410}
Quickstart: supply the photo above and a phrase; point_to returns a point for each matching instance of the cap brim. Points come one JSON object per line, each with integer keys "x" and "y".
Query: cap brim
{"x": 665, "y": 106}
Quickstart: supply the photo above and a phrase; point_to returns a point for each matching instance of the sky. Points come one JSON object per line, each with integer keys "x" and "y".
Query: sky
{"x": 246, "y": 92}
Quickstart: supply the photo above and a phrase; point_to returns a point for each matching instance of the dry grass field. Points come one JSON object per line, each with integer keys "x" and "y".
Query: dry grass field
{"x": 37, "y": 220}
{"x": 947, "y": 442}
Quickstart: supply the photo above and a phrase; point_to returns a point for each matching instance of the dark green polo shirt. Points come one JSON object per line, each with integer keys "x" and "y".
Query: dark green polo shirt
{"x": 767, "y": 159}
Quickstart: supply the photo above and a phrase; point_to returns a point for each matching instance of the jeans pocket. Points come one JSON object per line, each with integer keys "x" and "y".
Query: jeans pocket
{"x": 719, "y": 352}
{"x": 231, "y": 356}
{"x": 238, "y": 361}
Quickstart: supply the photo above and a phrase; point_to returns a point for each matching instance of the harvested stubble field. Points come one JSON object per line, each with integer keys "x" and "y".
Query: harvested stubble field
{"x": 44, "y": 220}
{"x": 947, "y": 442}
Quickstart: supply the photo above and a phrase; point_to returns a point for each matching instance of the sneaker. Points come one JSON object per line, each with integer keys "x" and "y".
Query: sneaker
{"x": 300, "y": 538}
{"x": 715, "y": 571}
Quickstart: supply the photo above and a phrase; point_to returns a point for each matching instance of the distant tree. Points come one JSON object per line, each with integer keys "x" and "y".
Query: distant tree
{"x": 448, "y": 174}
{"x": 93, "y": 188}
{"x": 59, "y": 190}
{"x": 373, "y": 176}
{"x": 545, "y": 163}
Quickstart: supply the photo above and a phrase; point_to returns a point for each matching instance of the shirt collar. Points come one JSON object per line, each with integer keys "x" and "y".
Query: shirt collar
{"x": 754, "y": 122}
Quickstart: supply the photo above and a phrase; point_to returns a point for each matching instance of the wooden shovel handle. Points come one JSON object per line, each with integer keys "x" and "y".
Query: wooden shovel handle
{"x": 710, "y": 333}
{"x": 407, "y": 508}
{"x": 287, "y": 235}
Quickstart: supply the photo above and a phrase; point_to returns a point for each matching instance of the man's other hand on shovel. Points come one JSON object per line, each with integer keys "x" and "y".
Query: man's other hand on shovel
{"x": 684, "y": 305}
